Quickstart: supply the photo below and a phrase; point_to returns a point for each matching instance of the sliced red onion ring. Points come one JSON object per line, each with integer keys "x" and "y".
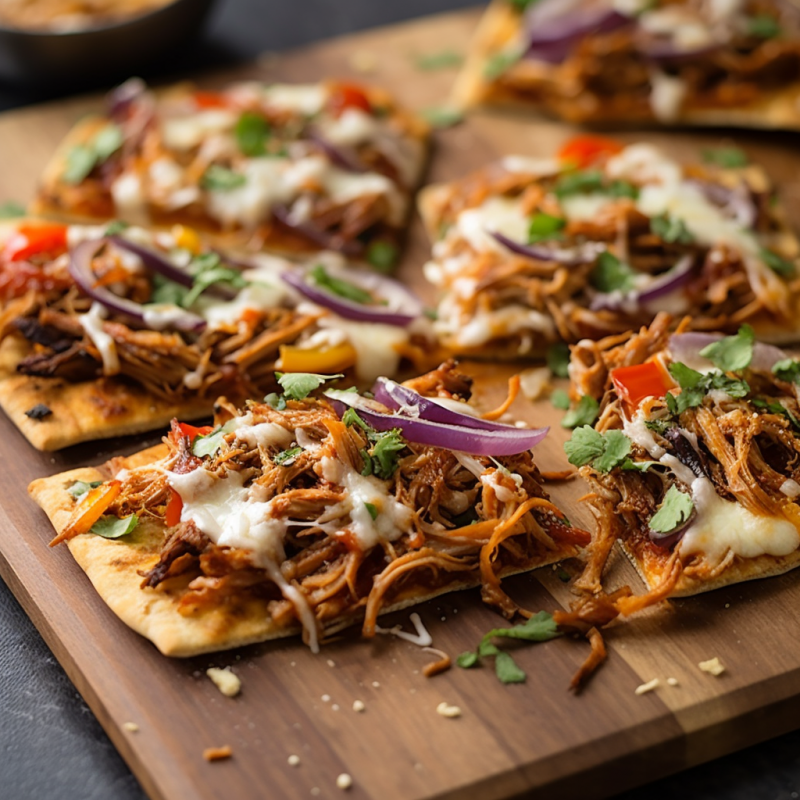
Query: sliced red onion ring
{"x": 737, "y": 203}
{"x": 412, "y": 404}
{"x": 660, "y": 50}
{"x": 659, "y": 287}
{"x": 343, "y": 157}
{"x": 321, "y": 238}
{"x": 402, "y": 309}
{"x": 569, "y": 256}
{"x": 80, "y": 268}
{"x": 120, "y": 99}
{"x": 671, "y": 539}
{"x": 686, "y": 347}
{"x": 507, "y": 442}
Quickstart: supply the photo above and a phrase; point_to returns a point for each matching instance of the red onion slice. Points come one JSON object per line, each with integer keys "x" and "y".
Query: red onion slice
{"x": 670, "y": 540}
{"x": 659, "y": 287}
{"x": 80, "y": 268}
{"x": 661, "y": 51}
{"x": 508, "y": 442}
{"x": 343, "y": 157}
{"x": 569, "y": 256}
{"x": 737, "y": 203}
{"x": 402, "y": 309}
{"x": 412, "y": 404}
{"x": 686, "y": 347}
{"x": 120, "y": 99}
{"x": 319, "y": 237}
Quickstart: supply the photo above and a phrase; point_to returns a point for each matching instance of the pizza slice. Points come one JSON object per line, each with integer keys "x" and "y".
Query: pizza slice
{"x": 637, "y": 61}
{"x": 693, "y": 459}
{"x": 111, "y": 330}
{"x": 284, "y": 168}
{"x": 310, "y": 513}
{"x": 598, "y": 240}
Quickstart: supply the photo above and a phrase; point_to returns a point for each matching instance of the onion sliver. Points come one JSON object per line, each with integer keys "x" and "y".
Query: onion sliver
{"x": 343, "y": 157}
{"x": 412, "y": 404}
{"x": 659, "y": 287}
{"x": 80, "y": 268}
{"x": 508, "y": 442}
{"x": 571, "y": 257}
{"x": 402, "y": 309}
{"x": 686, "y": 347}
{"x": 321, "y": 238}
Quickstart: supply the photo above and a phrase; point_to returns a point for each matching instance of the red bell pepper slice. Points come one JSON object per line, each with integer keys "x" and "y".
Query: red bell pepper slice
{"x": 192, "y": 432}
{"x": 172, "y": 515}
{"x": 635, "y": 383}
{"x": 210, "y": 100}
{"x": 582, "y": 151}
{"x": 33, "y": 240}
{"x": 348, "y": 95}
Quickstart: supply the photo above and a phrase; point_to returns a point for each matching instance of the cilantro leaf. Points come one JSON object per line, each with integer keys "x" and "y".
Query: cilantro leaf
{"x": 467, "y": 660}
{"x": 778, "y": 264}
{"x": 337, "y": 286}
{"x": 384, "y": 453}
{"x": 499, "y": 63}
{"x": 763, "y": 26}
{"x": 558, "y": 359}
{"x": 442, "y": 60}
{"x": 585, "y": 413}
{"x": 733, "y": 353}
{"x": 166, "y": 291}
{"x": 774, "y": 407}
{"x": 507, "y": 669}
{"x": 442, "y": 116}
{"x": 80, "y": 488}
{"x": 372, "y": 509}
{"x": 787, "y": 369}
{"x": 11, "y": 209}
{"x": 210, "y": 443}
{"x": 544, "y": 227}
{"x": 541, "y": 627}
{"x": 522, "y": 5}
{"x": 113, "y": 527}
{"x": 588, "y": 181}
{"x": 217, "y": 178}
{"x": 727, "y": 157}
{"x": 560, "y": 399}
{"x": 382, "y": 255}
{"x": 252, "y": 132}
{"x": 83, "y": 158}
{"x": 298, "y": 385}
{"x": 602, "y": 451}
{"x": 287, "y": 457}
{"x": 639, "y": 466}
{"x": 671, "y": 229}
{"x": 209, "y": 270}
{"x": 611, "y": 275}
{"x": 276, "y": 401}
{"x": 350, "y": 418}
{"x": 617, "y": 448}
{"x": 695, "y": 386}
{"x": 675, "y": 510}
{"x": 116, "y": 226}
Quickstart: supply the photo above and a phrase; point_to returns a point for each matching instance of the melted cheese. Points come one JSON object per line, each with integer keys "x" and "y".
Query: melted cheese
{"x": 351, "y": 128}
{"x": 92, "y": 323}
{"x": 129, "y": 198}
{"x": 497, "y": 215}
{"x": 667, "y": 94}
{"x": 185, "y": 133}
{"x": 507, "y": 321}
{"x": 586, "y": 207}
{"x": 305, "y": 99}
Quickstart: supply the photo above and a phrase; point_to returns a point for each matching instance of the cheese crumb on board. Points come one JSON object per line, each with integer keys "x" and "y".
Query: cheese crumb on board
{"x": 445, "y": 710}
{"x": 217, "y": 753}
{"x": 293, "y": 760}
{"x": 326, "y": 698}
{"x": 648, "y": 687}
{"x": 344, "y": 781}
{"x": 358, "y": 705}
{"x": 226, "y": 681}
{"x": 131, "y": 727}
{"x": 672, "y": 681}
{"x": 330, "y": 662}
{"x": 713, "y": 666}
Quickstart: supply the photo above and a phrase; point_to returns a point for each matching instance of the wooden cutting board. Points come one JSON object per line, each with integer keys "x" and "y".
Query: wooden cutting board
{"x": 509, "y": 739}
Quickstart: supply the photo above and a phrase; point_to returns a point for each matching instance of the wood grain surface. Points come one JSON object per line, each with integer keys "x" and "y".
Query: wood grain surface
{"x": 535, "y": 738}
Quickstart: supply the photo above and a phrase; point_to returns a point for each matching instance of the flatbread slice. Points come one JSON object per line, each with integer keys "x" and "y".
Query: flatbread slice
{"x": 692, "y": 457}
{"x": 104, "y": 335}
{"x": 599, "y": 239}
{"x": 304, "y": 539}
{"x": 282, "y": 168}
{"x": 594, "y": 61}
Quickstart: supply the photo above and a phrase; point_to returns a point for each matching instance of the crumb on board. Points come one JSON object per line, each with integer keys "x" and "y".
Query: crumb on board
{"x": 358, "y": 706}
{"x": 326, "y": 698}
{"x": 648, "y": 687}
{"x": 344, "y": 781}
{"x": 131, "y": 727}
{"x": 293, "y": 760}
{"x": 672, "y": 682}
{"x": 335, "y": 707}
{"x": 363, "y": 61}
{"x": 446, "y": 710}
{"x": 376, "y": 685}
{"x": 713, "y": 666}
{"x": 315, "y": 790}
{"x": 226, "y": 681}
{"x": 217, "y": 753}
{"x": 330, "y": 662}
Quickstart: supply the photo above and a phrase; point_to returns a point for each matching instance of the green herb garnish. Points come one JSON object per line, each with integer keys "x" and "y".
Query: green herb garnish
{"x": 733, "y": 353}
{"x": 774, "y": 407}
{"x": 381, "y": 459}
{"x": 612, "y": 275}
{"x": 337, "y": 286}
{"x": 592, "y": 181}
{"x": 252, "y": 132}
{"x": 671, "y": 229}
{"x": 208, "y": 270}
{"x": 585, "y": 413}
{"x": 113, "y": 527}
{"x": 763, "y": 26}
{"x": 560, "y": 399}
{"x": 372, "y": 509}
{"x": 11, "y": 209}
{"x": 558, "y": 359}
{"x": 500, "y": 63}
{"x": 217, "y": 178}
{"x": 276, "y": 401}
{"x": 442, "y": 116}
{"x": 116, "y": 226}
{"x": 675, "y": 509}
{"x": 287, "y": 457}
{"x": 603, "y": 451}
{"x": 80, "y": 488}
{"x": 83, "y": 158}
{"x": 545, "y": 227}
{"x": 727, "y": 157}
{"x": 210, "y": 443}
{"x": 299, "y": 385}
{"x": 442, "y": 60}
{"x": 696, "y": 385}
{"x": 382, "y": 255}
{"x": 788, "y": 369}
{"x": 778, "y": 264}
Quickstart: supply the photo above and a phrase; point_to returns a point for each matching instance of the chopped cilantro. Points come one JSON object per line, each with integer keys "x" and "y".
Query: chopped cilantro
{"x": 733, "y": 353}
{"x": 350, "y": 418}
{"x": 763, "y": 26}
{"x": 208, "y": 270}
{"x": 166, "y": 291}
{"x": 113, "y": 527}
{"x": 539, "y": 628}
{"x": 384, "y": 453}
{"x": 382, "y": 255}
{"x": 611, "y": 275}
{"x": 287, "y": 457}
{"x": 603, "y": 451}
{"x": 622, "y": 189}
{"x": 252, "y": 132}
{"x": 522, "y": 5}
{"x": 563, "y": 575}
{"x": 774, "y": 407}
{"x": 80, "y": 488}
{"x": 675, "y": 510}
{"x": 209, "y": 444}
{"x": 298, "y": 385}
{"x": 585, "y": 413}
{"x": 788, "y": 369}
{"x": 778, "y": 264}
{"x": 499, "y": 63}
{"x": 727, "y": 157}
{"x": 558, "y": 359}
{"x": 442, "y": 60}
{"x": 671, "y": 229}
{"x": 276, "y": 401}
{"x": 372, "y": 509}
{"x": 442, "y": 116}
{"x": 560, "y": 399}
{"x": 695, "y": 385}
{"x": 639, "y": 466}
{"x": 116, "y": 226}
{"x": 337, "y": 286}
{"x": 11, "y": 209}
{"x": 217, "y": 178}
{"x": 592, "y": 181}
{"x": 83, "y": 158}
{"x": 544, "y": 227}
{"x": 660, "y": 426}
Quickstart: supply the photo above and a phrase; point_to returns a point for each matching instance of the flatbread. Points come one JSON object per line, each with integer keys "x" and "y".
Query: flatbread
{"x": 500, "y": 26}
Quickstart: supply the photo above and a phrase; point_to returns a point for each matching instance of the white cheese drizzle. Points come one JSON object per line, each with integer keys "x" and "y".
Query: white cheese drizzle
{"x": 92, "y": 323}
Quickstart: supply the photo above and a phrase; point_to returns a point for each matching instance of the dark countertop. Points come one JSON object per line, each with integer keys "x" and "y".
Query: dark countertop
{"x": 50, "y": 743}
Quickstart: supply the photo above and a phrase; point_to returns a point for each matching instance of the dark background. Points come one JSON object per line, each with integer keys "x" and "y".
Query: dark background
{"x": 51, "y": 746}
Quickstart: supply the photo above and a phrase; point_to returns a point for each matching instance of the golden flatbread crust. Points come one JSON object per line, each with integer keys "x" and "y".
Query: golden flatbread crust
{"x": 113, "y": 565}
{"x": 777, "y": 110}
